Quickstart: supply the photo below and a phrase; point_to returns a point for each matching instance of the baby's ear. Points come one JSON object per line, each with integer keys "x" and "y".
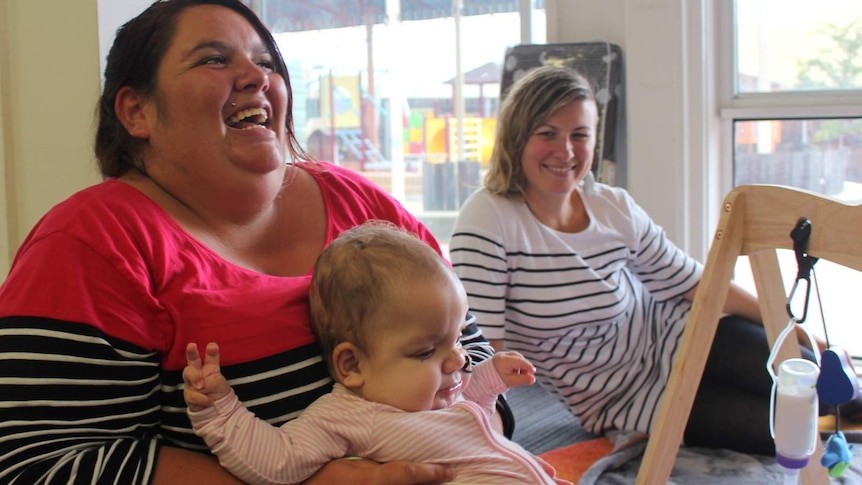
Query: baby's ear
{"x": 345, "y": 363}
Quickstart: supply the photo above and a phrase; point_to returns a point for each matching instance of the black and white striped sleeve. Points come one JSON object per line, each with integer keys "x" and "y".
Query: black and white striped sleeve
{"x": 480, "y": 261}
{"x": 663, "y": 268}
{"x": 76, "y": 406}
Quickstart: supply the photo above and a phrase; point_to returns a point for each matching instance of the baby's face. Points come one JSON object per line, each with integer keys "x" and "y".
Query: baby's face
{"x": 416, "y": 363}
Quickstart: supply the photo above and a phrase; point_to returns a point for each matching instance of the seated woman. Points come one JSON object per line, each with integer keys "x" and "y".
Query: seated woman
{"x": 577, "y": 277}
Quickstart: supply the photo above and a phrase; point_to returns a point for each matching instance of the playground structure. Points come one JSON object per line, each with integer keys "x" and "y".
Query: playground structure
{"x": 347, "y": 130}
{"x": 350, "y": 127}
{"x": 435, "y": 138}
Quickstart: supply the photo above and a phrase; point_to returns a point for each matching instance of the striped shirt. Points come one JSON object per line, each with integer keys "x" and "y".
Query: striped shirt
{"x": 102, "y": 298}
{"x": 344, "y": 424}
{"x": 599, "y": 312}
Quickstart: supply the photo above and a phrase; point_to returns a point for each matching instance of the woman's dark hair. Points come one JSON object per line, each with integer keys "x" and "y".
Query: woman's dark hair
{"x": 134, "y": 60}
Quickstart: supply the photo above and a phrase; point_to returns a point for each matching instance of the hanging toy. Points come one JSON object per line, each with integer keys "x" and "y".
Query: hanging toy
{"x": 837, "y": 382}
{"x": 838, "y": 455}
{"x": 793, "y": 410}
{"x": 836, "y": 385}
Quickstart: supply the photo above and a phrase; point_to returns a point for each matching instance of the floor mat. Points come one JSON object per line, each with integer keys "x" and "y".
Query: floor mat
{"x": 572, "y": 461}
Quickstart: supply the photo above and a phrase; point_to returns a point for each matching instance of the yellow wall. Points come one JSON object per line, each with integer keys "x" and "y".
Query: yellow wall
{"x": 49, "y": 86}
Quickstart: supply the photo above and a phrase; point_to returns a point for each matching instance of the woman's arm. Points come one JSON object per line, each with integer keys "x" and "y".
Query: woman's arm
{"x": 744, "y": 304}
{"x": 176, "y": 465}
{"x": 79, "y": 402}
{"x": 738, "y": 302}
{"x": 366, "y": 472}
{"x": 741, "y": 302}
{"x": 75, "y": 405}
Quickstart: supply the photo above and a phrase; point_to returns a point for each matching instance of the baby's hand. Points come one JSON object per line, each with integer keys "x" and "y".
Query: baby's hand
{"x": 514, "y": 369}
{"x": 204, "y": 382}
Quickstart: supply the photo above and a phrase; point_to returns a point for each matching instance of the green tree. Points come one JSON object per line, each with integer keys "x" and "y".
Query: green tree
{"x": 839, "y": 65}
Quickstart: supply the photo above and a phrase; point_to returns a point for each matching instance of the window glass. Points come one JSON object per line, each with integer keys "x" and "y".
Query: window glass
{"x": 820, "y": 155}
{"x": 823, "y": 156}
{"x": 798, "y": 45}
{"x": 355, "y": 64}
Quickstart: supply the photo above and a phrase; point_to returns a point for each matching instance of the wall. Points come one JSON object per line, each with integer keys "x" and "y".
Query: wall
{"x": 49, "y": 84}
{"x": 51, "y": 60}
{"x": 112, "y": 15}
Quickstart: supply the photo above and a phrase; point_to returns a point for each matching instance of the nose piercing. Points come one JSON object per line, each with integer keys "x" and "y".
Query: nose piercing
{"x": 468, "y": 364}
{"x": 233, "y": 105}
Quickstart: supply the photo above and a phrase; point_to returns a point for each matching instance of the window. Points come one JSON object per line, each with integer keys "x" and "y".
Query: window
{"x": 792, "y": 113}
{"x": 390, "y": 88}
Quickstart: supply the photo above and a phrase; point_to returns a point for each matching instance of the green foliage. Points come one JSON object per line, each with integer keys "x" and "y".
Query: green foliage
{"x": 831, "y": 130}
{"x": 837, "y": 66}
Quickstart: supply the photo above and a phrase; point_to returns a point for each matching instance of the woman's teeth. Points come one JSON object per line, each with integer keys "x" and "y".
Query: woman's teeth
{"x": 253, "y": 116}
{"x": 559, "y": 169}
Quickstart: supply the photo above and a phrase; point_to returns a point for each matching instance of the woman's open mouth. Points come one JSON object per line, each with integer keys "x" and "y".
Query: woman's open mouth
{"x": 248, "y": 119}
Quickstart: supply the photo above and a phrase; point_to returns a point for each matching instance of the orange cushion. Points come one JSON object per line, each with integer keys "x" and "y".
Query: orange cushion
{"x": 572, "y": 461}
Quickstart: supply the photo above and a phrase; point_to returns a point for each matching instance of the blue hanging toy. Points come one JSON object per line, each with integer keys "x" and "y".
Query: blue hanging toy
{"x": 836, "y": 385}
{"x": 837, "y": 382}
{"x": 838, "y": 455}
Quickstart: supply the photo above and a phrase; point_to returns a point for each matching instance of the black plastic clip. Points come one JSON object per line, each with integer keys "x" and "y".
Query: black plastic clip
{"x": 805, "y": 263}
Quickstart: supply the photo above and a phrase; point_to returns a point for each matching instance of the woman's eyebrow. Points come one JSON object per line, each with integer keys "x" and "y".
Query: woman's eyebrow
{"x": 221, "y": 45}
{"x": 210, "y": 44}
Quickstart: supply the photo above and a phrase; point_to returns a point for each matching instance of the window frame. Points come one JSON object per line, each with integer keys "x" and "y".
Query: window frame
{"x": 755, "y": 106}
{"x": 732, "y": 107}
{"x": 725, "y": 107}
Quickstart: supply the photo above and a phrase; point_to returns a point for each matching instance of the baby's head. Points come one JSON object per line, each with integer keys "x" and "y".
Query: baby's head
{"x": 388, "y": 312}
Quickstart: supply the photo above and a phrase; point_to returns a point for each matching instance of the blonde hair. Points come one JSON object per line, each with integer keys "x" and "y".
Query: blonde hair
{"x": 355, "y": 275}
{"x": 527, "y": 104}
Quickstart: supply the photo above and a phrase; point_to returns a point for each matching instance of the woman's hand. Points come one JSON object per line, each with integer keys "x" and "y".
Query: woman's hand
{"x": 366, "y": 472}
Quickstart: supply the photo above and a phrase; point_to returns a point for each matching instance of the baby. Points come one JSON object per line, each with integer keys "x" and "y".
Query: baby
{"x": 388, "y": 313}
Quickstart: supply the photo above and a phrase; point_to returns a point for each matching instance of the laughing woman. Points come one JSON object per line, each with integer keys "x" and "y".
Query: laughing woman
{"x": 203, "y": 230}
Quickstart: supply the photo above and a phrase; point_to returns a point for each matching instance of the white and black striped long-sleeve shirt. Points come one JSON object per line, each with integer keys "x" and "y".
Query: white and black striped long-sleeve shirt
{"x": 599, "y": 312}
{"x": 95, "y": 315}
